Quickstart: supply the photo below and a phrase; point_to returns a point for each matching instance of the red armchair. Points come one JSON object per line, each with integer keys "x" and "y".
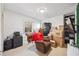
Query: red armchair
{"x": 41, "y": 45}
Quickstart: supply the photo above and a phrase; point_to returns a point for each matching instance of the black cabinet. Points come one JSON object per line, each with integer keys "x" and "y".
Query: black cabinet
{"x": 7, "y": 44}
{"x": 14, "y": 42}
{"x": 17, "y": 41}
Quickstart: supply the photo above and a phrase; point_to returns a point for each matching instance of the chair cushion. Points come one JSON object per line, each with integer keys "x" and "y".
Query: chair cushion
{"x": 38, "y": 36}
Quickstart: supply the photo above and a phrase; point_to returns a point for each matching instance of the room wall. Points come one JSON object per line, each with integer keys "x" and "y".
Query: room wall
{"x": 14, "y": 22}
{"x": 1, "y": 26}
{"x": 57, "y": 20}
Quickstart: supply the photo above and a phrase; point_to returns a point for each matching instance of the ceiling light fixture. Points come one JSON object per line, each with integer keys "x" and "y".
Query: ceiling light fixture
{"x": 42, "y": 10}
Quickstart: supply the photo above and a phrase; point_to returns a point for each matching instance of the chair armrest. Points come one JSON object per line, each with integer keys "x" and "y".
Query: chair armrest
{"x": 47, "y": 40}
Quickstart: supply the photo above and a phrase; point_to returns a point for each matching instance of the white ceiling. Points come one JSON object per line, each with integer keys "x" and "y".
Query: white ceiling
{"x": 30, "y": 9}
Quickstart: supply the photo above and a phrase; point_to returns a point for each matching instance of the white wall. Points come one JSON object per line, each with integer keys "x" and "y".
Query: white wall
{"x": 1, "y": 26}
{"x": 13, "y": 22}
{"x": 57, "y": 20}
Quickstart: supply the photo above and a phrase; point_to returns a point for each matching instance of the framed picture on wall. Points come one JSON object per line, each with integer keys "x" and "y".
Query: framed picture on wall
{"x": 28, "y": 26}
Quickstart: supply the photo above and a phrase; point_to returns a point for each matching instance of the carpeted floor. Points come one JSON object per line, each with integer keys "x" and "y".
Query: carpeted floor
{"x": 30, "y": 50}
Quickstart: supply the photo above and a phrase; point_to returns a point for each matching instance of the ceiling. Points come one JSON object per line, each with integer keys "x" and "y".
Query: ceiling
{"x": 31, "y": 9}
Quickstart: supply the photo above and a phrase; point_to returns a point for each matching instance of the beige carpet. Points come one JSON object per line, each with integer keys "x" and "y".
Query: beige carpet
{"x": 30, "y": 50}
